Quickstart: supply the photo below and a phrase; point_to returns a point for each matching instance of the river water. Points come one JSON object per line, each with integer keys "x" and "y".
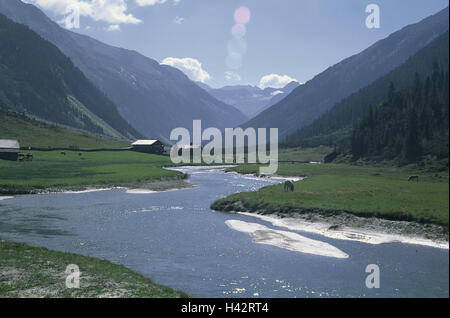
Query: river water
{"x": 177, "y": 240}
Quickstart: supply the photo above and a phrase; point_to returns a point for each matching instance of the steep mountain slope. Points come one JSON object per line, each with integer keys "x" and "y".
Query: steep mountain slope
{"x": 311, "y": 100}
{"x": 250, "y": 100}
{"x": 154, "y": 98}
{"x": 38, "y": 79}
{"x": 346, "y": 113}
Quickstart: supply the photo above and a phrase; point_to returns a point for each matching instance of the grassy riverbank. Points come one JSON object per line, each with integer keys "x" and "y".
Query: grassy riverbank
{"x": 53, "y": 171}
{"x": 368, "y": 191}
{"x": 27, "y": 271}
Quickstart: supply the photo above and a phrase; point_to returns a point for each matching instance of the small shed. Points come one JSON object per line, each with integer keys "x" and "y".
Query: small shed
{"x": 9, "y": 149}
{"x": 148, "y": 146}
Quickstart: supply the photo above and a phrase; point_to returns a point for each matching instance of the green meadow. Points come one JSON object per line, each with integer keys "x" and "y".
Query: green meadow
{"x": 77, "y": 170}
{"x": 315, "y": 154}
{"x": 27, "y": 271}
{"x": 380, "y": 191}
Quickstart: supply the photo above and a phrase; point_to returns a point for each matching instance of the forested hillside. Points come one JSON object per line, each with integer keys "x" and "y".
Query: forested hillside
{"x": 335, "y": 127}
{"x": 411, "y": 123}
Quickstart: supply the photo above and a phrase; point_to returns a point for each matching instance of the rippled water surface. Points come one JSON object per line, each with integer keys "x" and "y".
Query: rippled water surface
{"x": 177, "y": 240}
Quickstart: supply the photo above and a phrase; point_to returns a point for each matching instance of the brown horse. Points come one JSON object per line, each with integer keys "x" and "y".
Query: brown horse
{"x": 289, "y": 186}
{"x": 413, "y": 178}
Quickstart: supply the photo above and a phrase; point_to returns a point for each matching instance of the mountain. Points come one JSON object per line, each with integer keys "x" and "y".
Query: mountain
{"x": 50, "y": 87}
{"x": 334, "y": 127}
{"x": 317, "y": 96}
{"x": 154, "y": 98}
{"x": 250, "y": 100}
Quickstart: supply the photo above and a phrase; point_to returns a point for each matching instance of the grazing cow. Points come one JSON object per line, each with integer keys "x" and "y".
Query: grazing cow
{"x": 63, "y": 153}
{"x": 413, "y": 178}
{"x": 289, "y": 186}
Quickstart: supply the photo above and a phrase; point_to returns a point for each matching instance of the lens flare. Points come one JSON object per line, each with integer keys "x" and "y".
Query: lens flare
{"x": 239, "y": 30}
{"x": 237, "y": 45}
{"x": 234, "y": 61}
{"x": 242, "y": 15}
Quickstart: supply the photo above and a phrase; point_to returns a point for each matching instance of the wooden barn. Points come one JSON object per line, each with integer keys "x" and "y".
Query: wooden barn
{"x": 148, "y": 146}
{"x": 9, "y": 149}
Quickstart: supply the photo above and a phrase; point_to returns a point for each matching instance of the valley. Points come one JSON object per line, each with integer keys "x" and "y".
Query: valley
{"x": 336, "y": 155}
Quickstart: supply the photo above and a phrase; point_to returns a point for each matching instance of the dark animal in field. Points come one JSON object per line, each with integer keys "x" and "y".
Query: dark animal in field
{"x": 413, "y": 178}
{"x": 289, "y": 186}
{"x": 63, "y": 153}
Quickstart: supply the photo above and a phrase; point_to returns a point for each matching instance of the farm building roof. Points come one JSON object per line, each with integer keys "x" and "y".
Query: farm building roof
{"x": 144, "y": 142}
{"x": 9, "y": 145}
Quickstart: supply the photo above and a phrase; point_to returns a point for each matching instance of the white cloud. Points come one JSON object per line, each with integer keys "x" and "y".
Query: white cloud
{"x": 275, "y": 81}
{"x": 189, "y": 66}
{"x": 110, "y": 11}
{"x": 232, "y": 76}
{"x": 143, "y": 3}
{"x": 113, "y": 27}
{"x": 176, "y": 2}
{"x": 178, "y": 20}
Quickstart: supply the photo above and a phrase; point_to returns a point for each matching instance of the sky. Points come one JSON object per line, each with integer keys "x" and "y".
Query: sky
{"x": 240, "y": 42}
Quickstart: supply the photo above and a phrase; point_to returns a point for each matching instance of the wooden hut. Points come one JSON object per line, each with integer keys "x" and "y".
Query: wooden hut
{"x": 148, "y": 146}
{"x": 9, "y": 149}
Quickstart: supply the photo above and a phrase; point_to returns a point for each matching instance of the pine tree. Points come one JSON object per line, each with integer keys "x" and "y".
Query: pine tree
{"x": 412, "y": 149}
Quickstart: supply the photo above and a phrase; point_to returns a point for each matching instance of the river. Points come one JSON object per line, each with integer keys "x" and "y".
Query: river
{"x": 175, "y": 239}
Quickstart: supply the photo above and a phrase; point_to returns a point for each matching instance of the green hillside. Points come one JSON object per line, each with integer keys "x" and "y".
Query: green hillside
{"x": 37, "y": 134}
{"x": 36, "y": 78}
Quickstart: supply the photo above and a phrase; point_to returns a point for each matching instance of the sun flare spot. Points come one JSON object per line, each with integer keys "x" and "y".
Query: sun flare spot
{"x": 242, "y": 15}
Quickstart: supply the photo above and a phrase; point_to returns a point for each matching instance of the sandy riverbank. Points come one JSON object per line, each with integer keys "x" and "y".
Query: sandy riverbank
{"x": 286, "y": 240}
{"x": 346, "y": 226}
{"x": 366, "y": 230}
